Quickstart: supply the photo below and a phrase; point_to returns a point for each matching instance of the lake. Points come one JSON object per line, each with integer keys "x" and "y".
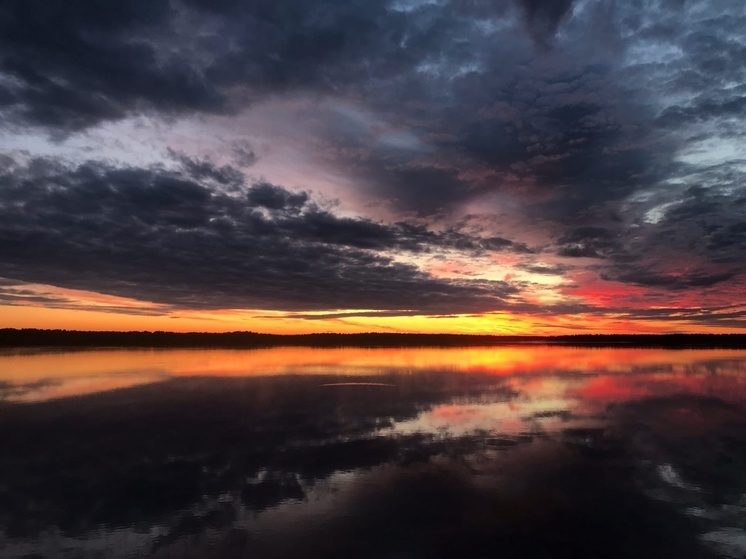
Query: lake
{"x": 514, "y": 452}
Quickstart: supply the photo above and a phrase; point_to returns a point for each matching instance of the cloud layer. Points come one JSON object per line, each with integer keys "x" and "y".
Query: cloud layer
{"x": 165, "y": 237}
{"x": 461, "y": 156}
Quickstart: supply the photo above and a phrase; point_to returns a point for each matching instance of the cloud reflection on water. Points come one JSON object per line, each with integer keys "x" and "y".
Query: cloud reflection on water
{"x": 80, "y": 372}
{"x": 424, "y": 453}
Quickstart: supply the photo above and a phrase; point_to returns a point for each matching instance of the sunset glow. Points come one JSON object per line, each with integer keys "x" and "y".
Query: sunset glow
{"x": 393, "y": 166}
{"x": 54, "y": 375}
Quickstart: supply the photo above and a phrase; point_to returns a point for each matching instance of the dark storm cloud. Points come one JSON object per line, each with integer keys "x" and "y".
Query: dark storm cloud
{"x": 704, "y": 110}
{"x": 699, "y": 241}
{"x": 273, "y": 197}
{"x": 72, "y": 64}
{"x": 714, "y": 212}
{"x": 712, "y": 72}
{"x": 565, "y": 120}
{"x": 589, "y": 242}
{"x": 491, "y": 113}
{"x": 206, "y": 170}
{"x": 580, "y": 129}
{"x": 163, "y": 236}
{"x": 556, "y": 270}
{"x": 320, "y": 225}
{"x": 544, "y": 16}
{"x": 501, "y": 137}
{"x": 567, "y": 110}
{"x": 650, "y": 278}
{"x": 422, "y": 189}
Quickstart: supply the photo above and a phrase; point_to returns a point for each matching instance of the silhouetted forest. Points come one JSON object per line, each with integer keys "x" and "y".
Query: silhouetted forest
{"x": 11, "y": 337}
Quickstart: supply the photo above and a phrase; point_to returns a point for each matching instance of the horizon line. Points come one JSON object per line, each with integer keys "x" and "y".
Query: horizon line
{"x": 81, "y": 339}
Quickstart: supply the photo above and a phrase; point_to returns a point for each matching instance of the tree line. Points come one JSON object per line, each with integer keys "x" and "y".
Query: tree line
{"x": 31, "y": 337}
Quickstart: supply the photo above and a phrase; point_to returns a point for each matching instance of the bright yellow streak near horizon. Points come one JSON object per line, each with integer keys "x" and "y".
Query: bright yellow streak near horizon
{"x": 271, "y": 322}
{"x": 85, "y": 310}
{"x": 274, "y": 322}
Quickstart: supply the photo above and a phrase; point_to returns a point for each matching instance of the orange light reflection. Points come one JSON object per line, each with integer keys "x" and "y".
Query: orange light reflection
{"x": 544, "y": 366}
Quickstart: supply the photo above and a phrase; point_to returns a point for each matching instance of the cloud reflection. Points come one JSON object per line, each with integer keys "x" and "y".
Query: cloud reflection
{"x": 614, "y": 453}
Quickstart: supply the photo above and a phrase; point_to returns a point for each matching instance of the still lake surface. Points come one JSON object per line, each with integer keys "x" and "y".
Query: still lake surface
{"x": 515, "y": 452}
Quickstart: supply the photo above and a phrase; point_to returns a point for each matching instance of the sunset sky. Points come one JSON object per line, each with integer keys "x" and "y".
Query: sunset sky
{"x": 288, "y": 166}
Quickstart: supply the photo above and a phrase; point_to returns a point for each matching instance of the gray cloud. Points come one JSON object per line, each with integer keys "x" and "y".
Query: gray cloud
{"x": 556, "y": 270}
{"x": 589, "y": 242}
{"x": 688, "y": 239}
{"x": 25, "y": 297}
{"x": 544, "y": 16}
{"x": 164, "y": 237}
{"x": 650, "y": 278}
{"x": 580, "y": 118}
{"x": 71, "y": 65}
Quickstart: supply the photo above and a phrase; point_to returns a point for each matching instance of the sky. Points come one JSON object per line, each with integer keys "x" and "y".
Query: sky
{"x": 469, "y": 166}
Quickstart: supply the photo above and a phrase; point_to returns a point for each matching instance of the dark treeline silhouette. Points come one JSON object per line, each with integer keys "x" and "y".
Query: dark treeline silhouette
{"x": 30, "y": 337}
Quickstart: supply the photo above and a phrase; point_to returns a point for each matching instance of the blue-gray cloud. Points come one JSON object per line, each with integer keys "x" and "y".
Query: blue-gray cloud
{"x": 602, "y": 122}
{"x": 170, "y": 237}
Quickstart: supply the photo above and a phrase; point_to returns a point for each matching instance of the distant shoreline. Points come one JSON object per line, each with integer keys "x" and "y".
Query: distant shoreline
{"x": 37, "y": 338}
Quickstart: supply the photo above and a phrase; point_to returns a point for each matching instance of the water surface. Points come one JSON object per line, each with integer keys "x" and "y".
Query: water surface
{"x": 527, "y": 451}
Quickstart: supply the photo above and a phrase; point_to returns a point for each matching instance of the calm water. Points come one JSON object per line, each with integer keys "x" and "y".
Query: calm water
{"x": 509, "y": 452}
